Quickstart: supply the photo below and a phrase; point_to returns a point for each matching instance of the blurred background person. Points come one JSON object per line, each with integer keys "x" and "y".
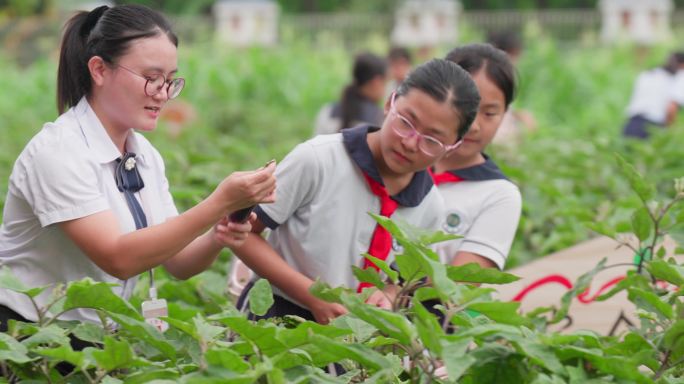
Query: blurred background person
{"x": 516, "y": 121}
{"x": 399, "y": 61}
{"x": 360, "y": 100}
{"x": 655, "y": 98}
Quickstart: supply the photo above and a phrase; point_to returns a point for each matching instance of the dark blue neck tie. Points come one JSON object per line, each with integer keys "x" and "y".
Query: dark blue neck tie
{"x": 129, "y": 182}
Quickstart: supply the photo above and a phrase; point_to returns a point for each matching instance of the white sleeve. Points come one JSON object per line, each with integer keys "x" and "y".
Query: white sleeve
{"x": 493, "y": 230}
{"x": 326, "y": 124}
{"x": 297, "y": 178}
{"x": 678, "y": 88}
{"x": 59, "y": 184}
{"x": 170, "y": 209}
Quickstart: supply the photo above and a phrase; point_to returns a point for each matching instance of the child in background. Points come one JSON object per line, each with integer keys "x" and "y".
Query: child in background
{"x": 360, "y": 100}
{"x": 515, "y": 122}
{"x": 482, "y": 205}
{"x": 655, "y": 98}
{"x": 400, "y": 62}
{"x": 326, "y": 186}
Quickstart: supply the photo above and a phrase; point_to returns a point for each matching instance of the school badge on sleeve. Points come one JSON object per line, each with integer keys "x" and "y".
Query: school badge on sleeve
{"x": 452, "y": 222}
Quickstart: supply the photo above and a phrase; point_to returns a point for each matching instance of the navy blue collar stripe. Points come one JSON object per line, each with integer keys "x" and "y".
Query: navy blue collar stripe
{"x": 481, "y": 172}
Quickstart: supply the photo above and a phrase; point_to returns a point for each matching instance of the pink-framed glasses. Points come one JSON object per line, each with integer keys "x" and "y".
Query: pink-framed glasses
{"x": 427, "y": 144}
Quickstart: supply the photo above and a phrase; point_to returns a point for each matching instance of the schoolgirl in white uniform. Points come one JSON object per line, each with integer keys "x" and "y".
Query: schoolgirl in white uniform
{"x": 327, "y": 185}
{"x": 84, "y": 184}
{"x": 482, "y": 205}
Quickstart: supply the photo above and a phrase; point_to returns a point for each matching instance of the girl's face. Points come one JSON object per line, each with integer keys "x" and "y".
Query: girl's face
{"x": 489, "y": 116}
{"x": 124, "y": 99}
{"x": 401, "y": 153}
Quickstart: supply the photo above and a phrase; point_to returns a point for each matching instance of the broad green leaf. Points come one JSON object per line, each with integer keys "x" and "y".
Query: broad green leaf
{"x": 392, "y": 324}
{"x": 324, "y": 292}
{"x": 677, "y": 233}
{"x": 663, "y": 270}
{"x": 409, "y": 268}
{"x": 89, "y": 294}
{"x": 391, "y": 274}
{"x": 429, "y": 329}
{"x": 368, "y": 275}
{"x": 111, "y": 380}
{"x": 260, "y": 297}
{"x": 501, "y": 312}
{"x": 65, "y": 353}
{"x": 207, "y": 333}
{"x": 89, "y": 332}
{"x": 362, "y": 330}
{"x": 580, "y": 286}
{"x": 633, "y": 279}
{"x": 144, "y": 332}
{"x": 264, "y": 335}
{"x": 51, "y": 334}
{"x": 650, "y": 301}
{"x": 116, "y": 354}
{"x": 156, "y": 376}
{"x": 369, "y": 358}
{"x": 12, "y": 350}
{"x": 645, "y": 190}
{"x": 456, "y": 358}
{"x": 9, "y": 281}
{"x": 642, "y": 224}
{"x": 601, "y": 228}
{"x": 227, "y": 358}
{"x": 474, "y": 273}
{"x": 540, "y": 354}
{"x": 674, "y": 336}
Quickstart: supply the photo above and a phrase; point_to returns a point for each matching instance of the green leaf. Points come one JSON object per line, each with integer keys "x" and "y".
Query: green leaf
{"x": 642, "y": 224}
{"x": 540, "y": 354}
{"x": 580, "y": 286}
{"x": 89, "y": 332}
{"x": 677, "y": 233}
{"x": 391, "y": 274}
{"x": 65, "y": 353}
{"x": 501, "y": 312}
{"x": 368, "y": 275}
{"x": 89, "y": 294}
{"x": 207, "y": 333}
{"x": 650, "y": 301}
{"x": 324, "y": 292}
{"x": 428, "y": 328}
{"x": 645, "y": 190}
{"x": 369, "y": 358}
{"x": 144, "y": 332}
{"x": 409, "y": 268}
{"x": 51, "y": 334}
{"x": 392, "y": 324}
{"x": 662, "y": 270}
{"x": 474, "y": 273}
{"x": 456, "y": 358}
{"x": 12, "y": 350}
{"x": 601, "y": 228}
{"x": 674, "y": 336}
{"x": 116, "y": 354}
{"x": 227, "y": 358}
{"x": 9, "y": 281}
{"x": 260, "y": 297}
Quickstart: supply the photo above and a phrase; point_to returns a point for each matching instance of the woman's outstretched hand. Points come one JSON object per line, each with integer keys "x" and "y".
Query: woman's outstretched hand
{"x": 245, "y": 189}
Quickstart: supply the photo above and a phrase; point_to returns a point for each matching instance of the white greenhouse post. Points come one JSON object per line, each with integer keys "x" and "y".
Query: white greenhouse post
{"x": 644, "y": 22}
{"x": 426, "y": 23}
{"x": 246, "y": 22}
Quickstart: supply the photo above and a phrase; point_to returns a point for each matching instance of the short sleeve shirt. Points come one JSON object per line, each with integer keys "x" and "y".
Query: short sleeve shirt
{"x": 320, "y": 222}
{"x": 485, "y": 209}
{"x": 653, "y": 91}
{"x": 66, "y": 172}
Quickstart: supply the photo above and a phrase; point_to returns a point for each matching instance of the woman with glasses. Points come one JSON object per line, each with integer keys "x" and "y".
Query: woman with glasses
{"x": 320, "y": 224}
{"x": 88, "y": 196}
{"x": 482, "y": 205}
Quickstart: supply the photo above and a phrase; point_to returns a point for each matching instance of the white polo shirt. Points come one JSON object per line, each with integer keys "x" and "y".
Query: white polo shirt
{"x": 484, "y": 209}
{"x": 653, "y": 91}
{"x": 678, "y": 88}
{"x": 66, "y": 172}
{"x": 320, "y": 223}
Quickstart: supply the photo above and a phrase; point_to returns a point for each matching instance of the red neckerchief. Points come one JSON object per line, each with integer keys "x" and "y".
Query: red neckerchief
{"x": 444, "y": 177}
{"x": 381, "y": 242}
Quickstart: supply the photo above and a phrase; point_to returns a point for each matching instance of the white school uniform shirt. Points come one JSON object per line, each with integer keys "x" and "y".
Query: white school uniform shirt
{"x": 653, "y": 92}
{"x": 678, "y": 88}
{"x": 66, "y": 172}
{"x": 320, "y": 223}
{"x": 484, "y": 208}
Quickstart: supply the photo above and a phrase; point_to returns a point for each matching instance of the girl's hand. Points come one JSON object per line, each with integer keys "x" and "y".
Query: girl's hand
{"x": 231, "y": 234}
{"x": 245, "y": 189}
{"x": 325, "y": 312}
{"x": 383, "y": 298}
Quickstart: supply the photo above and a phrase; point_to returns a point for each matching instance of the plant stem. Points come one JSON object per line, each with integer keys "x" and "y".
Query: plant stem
{"x": 664, "y": 365}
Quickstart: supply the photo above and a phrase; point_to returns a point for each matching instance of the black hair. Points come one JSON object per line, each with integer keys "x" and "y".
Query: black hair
{"x": 399, "y": 53}
{"x": 105, "y": 32}
{"x": 367, "y": 67}
{"x": 673, "y": 62}
{"x": 445, "y": 81}
{"x": 497, "y": 66}
{"x": 508, "y": 41}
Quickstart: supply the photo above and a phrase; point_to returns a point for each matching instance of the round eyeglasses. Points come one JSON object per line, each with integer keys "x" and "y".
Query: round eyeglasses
{"x": 427, "y": 144}
{"x": 155, "y": 83}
